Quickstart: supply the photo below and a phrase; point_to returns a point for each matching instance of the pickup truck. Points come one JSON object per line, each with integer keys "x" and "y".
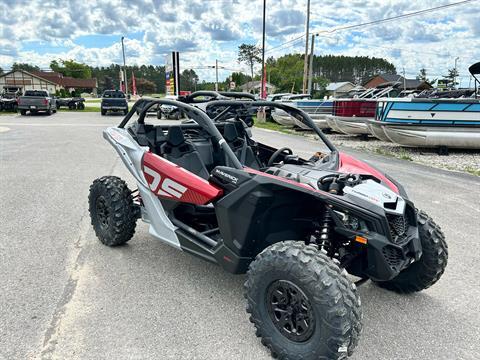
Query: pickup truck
{"x": 36, "y": 101}
{"x": 114, "y": 100}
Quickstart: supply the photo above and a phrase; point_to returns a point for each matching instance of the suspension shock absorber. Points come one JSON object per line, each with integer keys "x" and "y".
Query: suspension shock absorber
{"x": 325, "y": 238}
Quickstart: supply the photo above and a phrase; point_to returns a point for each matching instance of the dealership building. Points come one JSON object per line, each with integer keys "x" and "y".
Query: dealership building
{"x": 21, "y": 80}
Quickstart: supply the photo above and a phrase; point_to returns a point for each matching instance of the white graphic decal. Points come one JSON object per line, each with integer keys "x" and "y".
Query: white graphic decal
{"x": 156, "y": 178}
{"x": 173, "y": 188}
{"x": 168, "y": 188}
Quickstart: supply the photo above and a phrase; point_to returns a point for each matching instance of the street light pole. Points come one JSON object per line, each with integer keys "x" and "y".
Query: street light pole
{"x": 263, "y": 95}
{"x": 305, "y": 63}
{"x": 216, "y": 75}
{"x": 124, "y": 70}
{"x": 310, "y": 68}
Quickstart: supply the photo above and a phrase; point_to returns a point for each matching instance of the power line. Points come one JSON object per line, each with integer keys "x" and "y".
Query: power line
{"x": 374, "y": 22}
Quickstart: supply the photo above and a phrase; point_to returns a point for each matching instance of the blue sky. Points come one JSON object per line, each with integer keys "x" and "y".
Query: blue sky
{"x": 205, "y": 30}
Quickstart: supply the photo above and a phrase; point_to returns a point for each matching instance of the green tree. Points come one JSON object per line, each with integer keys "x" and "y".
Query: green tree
{"x": 238, "y": 78}
{"x": 144, "y": 86}
{"x": 250, "y": 55}
{"x": 108, "y": 83}
{"x": 24, "y": 66}
{"x": 71, "y": 68}
{"x": 451, "y": 78}
{"x": 286, "y": 73}
{"x": 188, "y": 80}
{"x": 422, "y": 76}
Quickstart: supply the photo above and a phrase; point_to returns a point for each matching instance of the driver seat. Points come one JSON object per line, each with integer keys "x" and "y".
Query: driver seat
{"x": 182, "y": 152}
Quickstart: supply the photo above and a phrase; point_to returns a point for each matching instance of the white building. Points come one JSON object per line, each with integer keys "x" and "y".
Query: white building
{"x": 23, "y": 80}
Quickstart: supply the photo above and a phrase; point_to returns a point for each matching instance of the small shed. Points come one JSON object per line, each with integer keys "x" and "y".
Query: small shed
{"x": 339, "y": 89}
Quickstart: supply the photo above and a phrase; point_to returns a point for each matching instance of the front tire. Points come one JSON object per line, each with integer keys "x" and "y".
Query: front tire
{"x": 103, "y": 112}
{"x": 431, "y": 266}
{"x": 112, "y": 212}
{"x": 302, "y": 304}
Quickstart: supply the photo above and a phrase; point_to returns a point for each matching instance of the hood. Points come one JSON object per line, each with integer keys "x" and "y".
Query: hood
{"x": 348, "y": 164}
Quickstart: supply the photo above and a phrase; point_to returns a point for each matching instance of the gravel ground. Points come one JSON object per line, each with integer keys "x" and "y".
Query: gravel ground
{"x": 457, "y": 160}
{"x": 63, "y": 295}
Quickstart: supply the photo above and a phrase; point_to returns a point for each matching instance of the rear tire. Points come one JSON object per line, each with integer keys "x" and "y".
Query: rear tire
{"x": 112, "y": 212}
{"x": 431, "y": 266}
{"x": 103, "y": 112}
{"x": 302, "y": 304}
{"x": 23, "y": 112}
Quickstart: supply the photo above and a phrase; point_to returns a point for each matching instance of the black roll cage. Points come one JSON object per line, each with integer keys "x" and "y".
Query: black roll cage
{"x": 204, "y": 121}
{"x": 475, "y": 70}
{"x": 215, "y": 95}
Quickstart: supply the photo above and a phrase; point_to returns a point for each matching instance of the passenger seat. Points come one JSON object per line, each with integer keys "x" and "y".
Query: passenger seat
{"x": 182, "y": 152}
{"x": 240, "y": 147}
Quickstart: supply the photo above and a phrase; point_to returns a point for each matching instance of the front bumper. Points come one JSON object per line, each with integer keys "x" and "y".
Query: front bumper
{"x": 385, "y": 259}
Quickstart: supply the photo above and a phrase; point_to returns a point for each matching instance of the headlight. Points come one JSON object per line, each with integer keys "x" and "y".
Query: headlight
{"x": 352, "y": 222}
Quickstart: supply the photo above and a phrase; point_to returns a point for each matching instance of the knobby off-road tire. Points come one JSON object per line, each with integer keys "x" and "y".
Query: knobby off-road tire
{"x": 328, "y": 300}
{"x": 112, "y": 211}
{"x": 428, "y": 270}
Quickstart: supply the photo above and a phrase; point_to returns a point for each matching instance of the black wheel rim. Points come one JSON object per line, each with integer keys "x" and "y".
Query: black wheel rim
{"x": 102, "y": 212}
{"x": 290, "y": 310}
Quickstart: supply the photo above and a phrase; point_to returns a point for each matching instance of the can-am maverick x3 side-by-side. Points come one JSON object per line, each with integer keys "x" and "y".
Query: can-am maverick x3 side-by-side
{"x": 297, "y": 227}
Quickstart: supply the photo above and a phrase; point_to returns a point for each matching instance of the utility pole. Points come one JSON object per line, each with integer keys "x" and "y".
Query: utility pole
{"x": 216, "y": 75}
{"x": 455, "y": 73}
{"x": 124, "y": 70}
{"x": 262, "y": 93}
{"x": 404, "y": 80}
{"x": 305, "y": 63}
{"x": 310, "y": 68}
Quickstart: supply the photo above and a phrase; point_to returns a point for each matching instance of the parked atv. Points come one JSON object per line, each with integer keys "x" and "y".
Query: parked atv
{"x": 295, "y": 226}
{"x": 75, "y": 103}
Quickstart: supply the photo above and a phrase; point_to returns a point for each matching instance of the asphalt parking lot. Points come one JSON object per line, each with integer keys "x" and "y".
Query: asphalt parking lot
{"x": 63, "y": 295}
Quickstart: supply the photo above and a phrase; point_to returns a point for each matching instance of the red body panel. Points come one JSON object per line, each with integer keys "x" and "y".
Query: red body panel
{"x": 357, "y": 108}
{"x": 170, "y": 181}
{"x": 349, "y": 164}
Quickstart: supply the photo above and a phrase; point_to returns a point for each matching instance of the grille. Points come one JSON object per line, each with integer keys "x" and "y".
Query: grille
{"x": 393, "y": 256}
{"x": 398, "y": 228}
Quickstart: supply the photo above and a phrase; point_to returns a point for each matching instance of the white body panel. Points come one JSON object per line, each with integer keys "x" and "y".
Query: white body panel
{"x": 153, "y": 213}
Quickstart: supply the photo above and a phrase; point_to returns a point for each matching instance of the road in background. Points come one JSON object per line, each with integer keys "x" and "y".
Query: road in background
{"x": 63, "y": 295}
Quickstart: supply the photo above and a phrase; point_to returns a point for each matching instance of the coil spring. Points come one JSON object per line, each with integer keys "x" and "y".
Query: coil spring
{"x": 324, "y": 240}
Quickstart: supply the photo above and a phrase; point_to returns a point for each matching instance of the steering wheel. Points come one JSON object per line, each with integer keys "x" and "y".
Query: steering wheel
{"x": 274, "y": 156}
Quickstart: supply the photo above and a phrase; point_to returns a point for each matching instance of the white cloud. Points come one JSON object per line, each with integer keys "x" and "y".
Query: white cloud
{"x": 205, "y": 30}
